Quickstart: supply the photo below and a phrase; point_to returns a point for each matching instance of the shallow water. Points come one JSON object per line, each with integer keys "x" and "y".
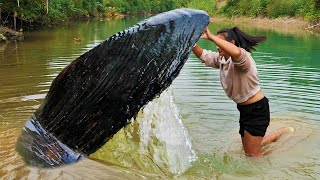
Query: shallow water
{"x": 190, "y": 131}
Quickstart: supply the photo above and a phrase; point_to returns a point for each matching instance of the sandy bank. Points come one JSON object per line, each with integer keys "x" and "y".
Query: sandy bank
{"x": 285, "y": 24}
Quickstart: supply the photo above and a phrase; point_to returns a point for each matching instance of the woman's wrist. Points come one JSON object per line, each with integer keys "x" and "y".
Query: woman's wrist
{"x": 211, "y": 37}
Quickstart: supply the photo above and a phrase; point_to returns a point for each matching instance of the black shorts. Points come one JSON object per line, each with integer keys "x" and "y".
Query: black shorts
{"x": 254, "y": 118}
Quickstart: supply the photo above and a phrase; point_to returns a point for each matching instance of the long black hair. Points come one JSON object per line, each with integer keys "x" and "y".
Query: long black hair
{"x": 241, "y": 39}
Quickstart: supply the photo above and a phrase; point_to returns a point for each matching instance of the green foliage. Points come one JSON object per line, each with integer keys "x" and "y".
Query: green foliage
{"x": 273, "y": 8}
{"x": 206, "y": 5}
{"x": 256, "y": 8}
{"x": 61, "y": 10}
{"x": 279, "y": 8}
{"x": 310, "y": 11}
{"x": 144, "y": 6}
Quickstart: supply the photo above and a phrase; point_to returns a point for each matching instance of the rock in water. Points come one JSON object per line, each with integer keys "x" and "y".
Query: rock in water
{"x": 98, "y": 93}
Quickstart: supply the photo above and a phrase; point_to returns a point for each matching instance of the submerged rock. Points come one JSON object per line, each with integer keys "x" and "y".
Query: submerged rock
{"x": 9, "y": 34}
{"x": 98, "y": 93}
{"x": 2, "y": 38}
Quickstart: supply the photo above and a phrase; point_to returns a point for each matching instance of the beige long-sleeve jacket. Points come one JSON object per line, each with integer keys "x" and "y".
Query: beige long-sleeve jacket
{"x": 239, "y": 77}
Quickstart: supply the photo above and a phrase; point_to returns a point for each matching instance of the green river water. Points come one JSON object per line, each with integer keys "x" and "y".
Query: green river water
{"x": 191, "y": 130}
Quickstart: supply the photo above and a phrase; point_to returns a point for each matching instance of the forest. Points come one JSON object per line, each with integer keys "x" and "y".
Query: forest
{"x": 16, "y": 14}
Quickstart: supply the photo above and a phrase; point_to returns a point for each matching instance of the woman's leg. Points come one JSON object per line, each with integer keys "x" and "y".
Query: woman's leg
{"x": 251, "y": 144}
{"x": 275, "y": 135}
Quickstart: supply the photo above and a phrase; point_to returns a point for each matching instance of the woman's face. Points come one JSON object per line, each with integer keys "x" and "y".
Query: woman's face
{"x": 221, "y": 52}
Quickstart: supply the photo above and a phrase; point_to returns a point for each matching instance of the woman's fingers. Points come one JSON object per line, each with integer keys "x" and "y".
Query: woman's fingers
{"x": 205, "y": 34}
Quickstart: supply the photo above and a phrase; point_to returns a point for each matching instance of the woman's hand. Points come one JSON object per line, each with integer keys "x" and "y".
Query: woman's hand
{"x": 228, "y": 47}
{"x": 206, "y": 34}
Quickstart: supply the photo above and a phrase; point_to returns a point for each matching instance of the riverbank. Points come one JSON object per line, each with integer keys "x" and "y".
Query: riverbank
{"x": 285, "y": 24}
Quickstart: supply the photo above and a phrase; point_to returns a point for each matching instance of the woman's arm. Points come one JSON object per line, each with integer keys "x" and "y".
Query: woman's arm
{"x": 197, "y": 50}
{"x": 227, "y": 47}
{"x": 208, "y": 57}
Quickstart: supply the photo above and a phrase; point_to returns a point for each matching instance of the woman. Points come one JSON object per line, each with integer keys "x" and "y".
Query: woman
{"x": 240, "y": 81}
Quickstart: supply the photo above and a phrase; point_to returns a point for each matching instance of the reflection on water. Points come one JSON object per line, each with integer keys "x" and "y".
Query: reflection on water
{"x": 202, "y": 141}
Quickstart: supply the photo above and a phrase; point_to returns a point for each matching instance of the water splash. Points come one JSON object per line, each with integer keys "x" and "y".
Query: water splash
{"x": 156, "y": 141}
{"x": 161, "y": 122}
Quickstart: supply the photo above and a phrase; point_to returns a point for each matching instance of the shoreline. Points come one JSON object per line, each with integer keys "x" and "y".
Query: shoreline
{"x": 284, "y": 24}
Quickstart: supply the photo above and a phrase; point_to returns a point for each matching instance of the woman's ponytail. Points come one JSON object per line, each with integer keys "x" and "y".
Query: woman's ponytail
{"x": 242, "y": 39}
